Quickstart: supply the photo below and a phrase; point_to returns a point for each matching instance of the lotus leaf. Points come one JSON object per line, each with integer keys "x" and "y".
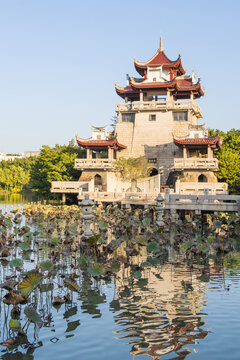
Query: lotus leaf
{"x": 14, "y": 324}
{"x": 97, "y": 270}
{"x": 102, "y": 225}
{"x": 72, "y": 284}
{"x": 46, "y": 287}
{"x": 82, "y": 263}
{"x": 30, "y": 282}
{"x": 210, "y": 239}
{"x": 33, "y": 316}
{"x": 14, "y": 298}
{"x": 72, "y": 325}
{"x": 137, "y": 274}
{"x": 24, "y": 246}
{"x": 46, "y": 265}
{"x": 115, "y": 266}
{"x": 141, "y": 240}
{"x": 16, "y": 263}
{"x": 153, "y": 247}
{"x": 8, "y": 285}
{"x": 186, "y": 246}
{"x": 146, "y": 221}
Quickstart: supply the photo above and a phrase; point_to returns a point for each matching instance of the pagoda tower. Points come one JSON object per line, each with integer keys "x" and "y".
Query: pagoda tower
{"x": 159, "y": 107}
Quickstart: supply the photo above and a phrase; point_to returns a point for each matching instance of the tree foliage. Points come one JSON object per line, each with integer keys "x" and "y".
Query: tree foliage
{"x": 229, "y": 159}
{"x": 54, "y": 164}
{"x": 15, "y": 174}
{"x": 132, "y": 168}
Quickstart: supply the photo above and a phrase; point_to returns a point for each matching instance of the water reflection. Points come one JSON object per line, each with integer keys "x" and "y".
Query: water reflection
{"x": 17, "y": 198}
{"x": 159, "y": 313}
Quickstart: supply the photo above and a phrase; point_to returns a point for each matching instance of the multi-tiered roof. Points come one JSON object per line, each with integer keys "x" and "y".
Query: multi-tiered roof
{"x": 180, "y": 85}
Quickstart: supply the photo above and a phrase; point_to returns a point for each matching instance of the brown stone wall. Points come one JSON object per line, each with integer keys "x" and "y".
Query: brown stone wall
{"x": 88, "y": 175}
{"x": 153, "y": 139}
{"x": 192, "y": 176}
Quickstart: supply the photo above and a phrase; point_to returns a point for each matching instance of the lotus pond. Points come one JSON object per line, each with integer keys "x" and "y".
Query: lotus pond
{"x": 131, "y": 291}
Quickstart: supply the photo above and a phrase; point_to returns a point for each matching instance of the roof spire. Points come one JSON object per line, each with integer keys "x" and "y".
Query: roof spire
{"x": 161, "y": 47}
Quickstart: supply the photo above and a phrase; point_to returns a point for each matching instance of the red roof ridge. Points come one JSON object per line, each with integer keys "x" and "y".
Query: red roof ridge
{"x": 207, "y": 140}
{"x": 100, "y": 143}
{"x": 162, "y": 55}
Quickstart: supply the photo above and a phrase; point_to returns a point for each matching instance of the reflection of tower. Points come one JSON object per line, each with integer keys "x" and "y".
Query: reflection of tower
{"x": 160, "y": 312}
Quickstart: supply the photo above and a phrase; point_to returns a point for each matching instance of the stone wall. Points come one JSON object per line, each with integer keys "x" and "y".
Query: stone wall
{"x": 153, "y": 139}
{"x": 192, "y": 176}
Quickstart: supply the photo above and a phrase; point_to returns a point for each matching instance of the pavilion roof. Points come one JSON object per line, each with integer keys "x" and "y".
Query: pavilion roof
{"x": 181, "y": 85}
{"x": 160, "y": 59}
{"x": 213, "y": 141}
{"x": 100, "y": 144}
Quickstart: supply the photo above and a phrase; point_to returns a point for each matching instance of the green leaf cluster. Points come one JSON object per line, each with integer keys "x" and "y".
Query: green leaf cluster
{"x": 54, "y": 164}
{"x": 229, "y": 159}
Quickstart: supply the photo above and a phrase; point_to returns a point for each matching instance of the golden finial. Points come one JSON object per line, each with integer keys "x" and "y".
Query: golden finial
{"x": 161, "y": 46}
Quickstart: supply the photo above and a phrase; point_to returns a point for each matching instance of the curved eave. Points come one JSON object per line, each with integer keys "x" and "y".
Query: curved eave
{"x": 159, "y": 59}
{"x": 174, "y": 84}
{"x": 193, "y": 88}
{"x": 100, "y": 144}
{"x": 211, "y": 141}
{"x": 126, "y": 92}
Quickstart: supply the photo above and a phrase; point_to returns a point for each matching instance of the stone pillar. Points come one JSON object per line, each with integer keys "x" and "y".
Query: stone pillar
{"x": 98, "y": 155}
{"x": 159, "y": 210}
{"x": 110, "y": 153}
{"x": 63, "y": 199}
{"x": 177, "y": 186}
{"x": 210, "y": 152}
{"x": 167, "y": 194}
{"x": 87, "y": 215}
{"x": 184, "y": 152}
{"x": 89, "y": 154}
{"x": 141, "y": 96}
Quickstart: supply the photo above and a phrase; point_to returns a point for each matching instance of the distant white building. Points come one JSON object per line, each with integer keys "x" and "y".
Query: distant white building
{"x": 12, "y": 157}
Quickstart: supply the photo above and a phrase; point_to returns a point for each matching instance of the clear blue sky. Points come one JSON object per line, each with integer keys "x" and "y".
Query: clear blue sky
{"x": 59, "y": 60}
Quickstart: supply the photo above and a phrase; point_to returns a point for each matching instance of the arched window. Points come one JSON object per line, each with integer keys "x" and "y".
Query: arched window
{"x": 202, "y": 178}
{"x": 153, "y": 172}
{"x": 98, "y": 182}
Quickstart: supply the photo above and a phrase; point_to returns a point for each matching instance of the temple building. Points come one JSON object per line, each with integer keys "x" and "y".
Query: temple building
{"x": 158, "y": 119}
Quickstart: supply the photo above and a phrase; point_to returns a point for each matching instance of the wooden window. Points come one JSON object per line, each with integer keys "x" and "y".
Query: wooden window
{"x": 130, "y": 117}
{"x": 152, "y": 117}
{"x": 152, "y": 161}
{"x": 180, "y": 116}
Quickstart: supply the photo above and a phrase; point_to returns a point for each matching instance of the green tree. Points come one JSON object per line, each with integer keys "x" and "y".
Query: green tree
{"x": 54, "y": 164}
{"x": 132, "y": 168}
{"x": 229, "y": 159}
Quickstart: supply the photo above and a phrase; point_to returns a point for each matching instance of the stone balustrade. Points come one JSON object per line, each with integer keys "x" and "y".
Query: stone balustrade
{"x": 70, "y": 187}
{"x": 159, "y": 105}
{"x": 199, "y": 188}
{"x": 196, "y": 163}
{"x": 93, "y": 164}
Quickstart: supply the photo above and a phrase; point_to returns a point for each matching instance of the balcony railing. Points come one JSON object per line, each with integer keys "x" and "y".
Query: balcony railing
{"x": 72, "y": 187}
{"x": 199, "y": 188}
{"x": 93, "y": 164}
{"x": 160, "y": 105}
{"x": 196, "y": 163}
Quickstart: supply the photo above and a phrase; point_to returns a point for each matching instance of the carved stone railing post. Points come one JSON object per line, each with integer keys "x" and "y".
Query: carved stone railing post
{"x": 159, "y": 210}
{"x": 87, "y": 215}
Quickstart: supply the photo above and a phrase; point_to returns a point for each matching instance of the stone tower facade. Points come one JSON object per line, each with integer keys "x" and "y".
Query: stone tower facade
{"x": 158, "y": 106}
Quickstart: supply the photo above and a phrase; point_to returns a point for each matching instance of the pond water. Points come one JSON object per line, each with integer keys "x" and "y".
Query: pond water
{"x": 176, "y": 310}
